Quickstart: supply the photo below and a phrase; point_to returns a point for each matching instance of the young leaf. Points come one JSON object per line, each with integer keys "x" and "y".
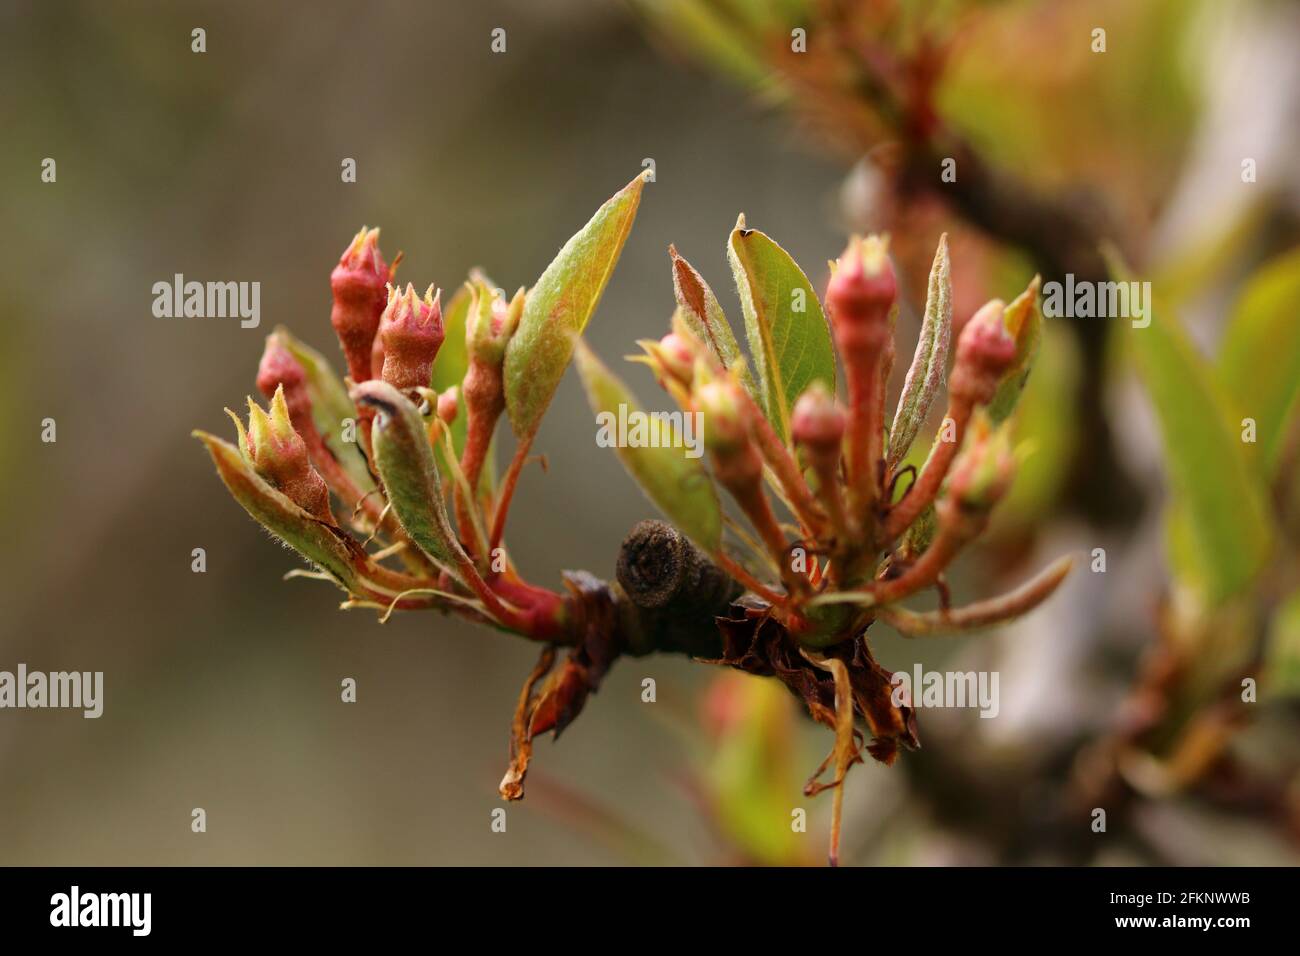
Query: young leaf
{"x": 322, "y": 544}
{"x": 930, "y": 363}
{"x": 453, "y": 359}
{"x": 679, "y": 486}
{"x": 787, "y": 332}
{"x": 1225, "y": 513}
{"x": 404, "y": 460}
{"x": 705, "y": 318}
{"x": 1259, "y": 359}
{"x": 1282, "y": 650}
{"x": 330, "y": 405}
{"x": 558, "y": 306}
{"x": 1024, "y": 320}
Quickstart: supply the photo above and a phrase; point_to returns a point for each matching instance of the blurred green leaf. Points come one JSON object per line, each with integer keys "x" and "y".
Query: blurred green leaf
{"x": 752, "y": 775}
{"x": 1041, "y": 428}
{"x": 405, "y": 463}
{"x": 1259, "y": 358}
{"x": 1226, "y": 527}
{"x": 679, "y": 486}
{"x": 929, "y": 363}
{"x": 1282, "y": 651}
{"x": 330, "y": 406}
{"x": 453, "y": 358}
{"x": 715, "y": 35}
{"x": 705, "y": 318}
{"x": 787, "y": 332}
{"x": 1024, "y": 320}
{"x": 558, "y": 307}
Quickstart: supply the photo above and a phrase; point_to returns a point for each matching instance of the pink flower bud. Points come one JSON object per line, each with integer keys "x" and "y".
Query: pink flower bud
{"x": 726, "y": 426}
{"x": 412, "y": 334}
{"x": 278, "y": 453}
{"x": 358, "y": 283}
{"x": 860, "y": 295}
{"x": 983, "y": 471}
{"x": 818, "y": 422}
{"x": 279, "y": 369}
{"x": 985, "y": 351}
{"x": 676, "y": 354}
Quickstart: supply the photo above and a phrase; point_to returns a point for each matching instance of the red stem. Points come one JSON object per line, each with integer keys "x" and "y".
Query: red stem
{"x": 926, "y": 486}
{"x": 507, "y": 492}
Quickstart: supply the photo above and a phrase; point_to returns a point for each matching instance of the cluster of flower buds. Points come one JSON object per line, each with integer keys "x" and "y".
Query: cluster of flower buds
{"x": 837, "y": 473}
{"x": 826, "y": 566}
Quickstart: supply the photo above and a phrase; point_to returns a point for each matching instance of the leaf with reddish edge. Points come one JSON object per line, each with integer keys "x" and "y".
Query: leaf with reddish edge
{"x": 558, "y": 307}
{"x": 704, "y": 317}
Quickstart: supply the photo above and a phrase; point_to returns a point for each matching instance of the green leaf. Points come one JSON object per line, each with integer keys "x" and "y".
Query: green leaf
{"x": 1024, "y": 320}
{"x": 753, "y": 768}
{"x": 453, "y": 358}
{"x": 787, "y": 332}
{"x": 1225, "y": 522}
{"x": 929, "y": 363}
{"x": 1259, "y": 359}
{"x": 330, "y": 406}
{"x": 679, "y": 486}
{"x": 1282, "y": 650}
{"x": 705, "y": 318}
{"x": 558, "y": 307}
{"x": 405, "y": 463}
{"x": 324, "y": 545}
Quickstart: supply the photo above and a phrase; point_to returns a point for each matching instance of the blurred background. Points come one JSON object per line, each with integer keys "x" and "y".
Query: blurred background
{"x": 222, "y": 689}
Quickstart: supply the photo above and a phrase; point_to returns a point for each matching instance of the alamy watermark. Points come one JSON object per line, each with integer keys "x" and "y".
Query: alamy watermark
{"x": 75, "y": 690}
{"x": 923, "y": 688}
{"x": 633, "y": 428}
{"x": 208, "y": 300}
{"x": 1098, "y": 300}
{"x": 75, "y": 908}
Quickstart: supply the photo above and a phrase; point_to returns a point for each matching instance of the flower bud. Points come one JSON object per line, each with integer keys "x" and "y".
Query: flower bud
{"x": 490, "y": 322}
{"x": 412, "y": 333}
{"x": 860, "y": 295}
{"x": 817, "y": 422}
{"x": 278, "y": 453}
{"x": 280, "y": 370}
{"x": 726, "y": 428}
{"x": 677, "y": 353}
{"x": 449, "y": 404}
{"x": 673, "y": 359}
{"x": 358, "y": 283}
{"x": 985, "y": 351}
{"x": 983, "y": 471}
